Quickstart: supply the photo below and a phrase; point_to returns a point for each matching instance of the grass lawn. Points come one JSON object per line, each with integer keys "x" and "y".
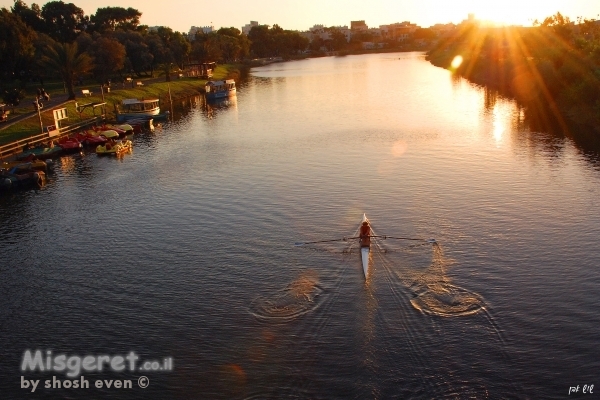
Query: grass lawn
{"x": 179, "y": 88}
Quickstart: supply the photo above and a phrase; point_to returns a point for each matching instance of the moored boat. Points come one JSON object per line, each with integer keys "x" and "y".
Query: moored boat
{"x": 88, "y": 139}
{"x": 20, "y": 176}
{"x": 140, "y": 109}
{"x": 107, "y": 133}
{"x": 114, "y": 147}
{"x": 41, "y": 153}
{"x": 139, "y": 124}
{"x": 70, "y": 145}
{"x": 219, "y": 89}
{"x": 33, "y": 163}
{"x": 127, "y": 128}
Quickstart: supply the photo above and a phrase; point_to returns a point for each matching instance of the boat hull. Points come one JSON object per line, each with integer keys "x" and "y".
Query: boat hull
{"x": 365, "y": 249}
{"x": 220, "y": 94}
{"x": 114, "y": 149}
{"x": 121, "y": 118}
{"x": 364, "y": 253}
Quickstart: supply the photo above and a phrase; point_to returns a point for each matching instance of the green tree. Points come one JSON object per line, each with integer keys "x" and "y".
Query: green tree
{"x": 109, "y": 57}
{"x": 316, "y": 44}
{"x": 180, "y": 48}
{"x": 207, "y": 47}
{"x": 242, "y": 49}
{"x": 267, "y": 42}
{"x": 16, "y": 45}
{"x": 31, "y": 16}
{"x": 160, "y": 52}
{"x": 338, "y": 40}
{"x": 139, "y": 59}
{"x": 64, "y": 59}
{"x": 64, "y": 22}
{"x": 41, "y": 43}
{"x": 261, "y": 41}
{"x": 112, "y": 18}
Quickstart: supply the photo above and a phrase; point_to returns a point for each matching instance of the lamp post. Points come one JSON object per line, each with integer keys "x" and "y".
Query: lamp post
{"x": 36, "y": 103}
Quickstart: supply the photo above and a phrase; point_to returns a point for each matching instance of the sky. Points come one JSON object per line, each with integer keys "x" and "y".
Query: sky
{"x": 180, "y": 15}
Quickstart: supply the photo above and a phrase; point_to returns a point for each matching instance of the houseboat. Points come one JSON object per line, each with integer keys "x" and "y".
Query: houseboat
{"x": 219, "y": 89}
{"x": 139, "y": 109}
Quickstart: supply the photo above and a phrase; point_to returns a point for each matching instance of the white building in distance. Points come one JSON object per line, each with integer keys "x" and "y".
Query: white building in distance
{"x": 246, "y": 28}
{"x": 325, "y": 33}
{"x": 196, "y": 29}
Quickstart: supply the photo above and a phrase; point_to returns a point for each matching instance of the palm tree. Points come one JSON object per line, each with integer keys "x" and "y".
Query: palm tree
{"x": 63, "y": 59}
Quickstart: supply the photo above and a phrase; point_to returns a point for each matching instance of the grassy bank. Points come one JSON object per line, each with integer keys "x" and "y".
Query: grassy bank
{"x": 153, "y": 88}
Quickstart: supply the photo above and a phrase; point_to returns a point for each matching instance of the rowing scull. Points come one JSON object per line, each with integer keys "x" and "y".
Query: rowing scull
{"x": 365, "y": 246}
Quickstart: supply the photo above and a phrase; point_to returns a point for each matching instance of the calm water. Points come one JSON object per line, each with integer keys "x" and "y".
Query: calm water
{"x": 184, "y": 248}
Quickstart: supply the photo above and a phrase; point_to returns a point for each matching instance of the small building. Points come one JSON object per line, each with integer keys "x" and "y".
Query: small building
{"x": 248, "y": 27}
{"x": 195, "y": 29}
{"x": 358, "y": 25}
{"x": 400, "y": 31}
{"x": 200, "y": 70}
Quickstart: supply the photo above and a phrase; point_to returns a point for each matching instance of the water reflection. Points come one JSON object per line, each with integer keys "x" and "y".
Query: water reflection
{"x": 534, "y": 126}
{"x": 214, "y": 107}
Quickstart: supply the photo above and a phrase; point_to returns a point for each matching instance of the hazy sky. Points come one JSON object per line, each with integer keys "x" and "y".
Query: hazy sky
{"x": 302, "y": 14}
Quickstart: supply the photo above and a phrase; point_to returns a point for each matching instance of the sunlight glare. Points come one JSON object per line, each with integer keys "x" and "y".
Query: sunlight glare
{"x": 499, "y": 115}
{"x": 456, "y": 62}
{"x": 399, "y": 148}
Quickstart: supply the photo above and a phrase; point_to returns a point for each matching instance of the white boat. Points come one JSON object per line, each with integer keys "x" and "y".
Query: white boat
{"x": 364, "y": 251}
{"x": 140, "y": 109}
{"x": 219, "y": 89}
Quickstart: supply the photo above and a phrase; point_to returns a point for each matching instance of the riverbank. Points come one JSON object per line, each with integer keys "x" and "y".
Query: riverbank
{"x": 553, "y": 76}
{"x": 25, "y": 122}
{"x": 543, "y": 110}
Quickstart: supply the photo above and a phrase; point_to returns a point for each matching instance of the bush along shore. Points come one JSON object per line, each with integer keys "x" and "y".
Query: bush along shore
{"x": 27, "y": 121}
{"x": 552, "y": 69}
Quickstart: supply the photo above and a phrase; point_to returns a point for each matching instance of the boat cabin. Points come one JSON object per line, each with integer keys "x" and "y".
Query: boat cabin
{"x": 219, "y": 86}
{"x": 219, "y": 89}
{"x": 140, "y": 106}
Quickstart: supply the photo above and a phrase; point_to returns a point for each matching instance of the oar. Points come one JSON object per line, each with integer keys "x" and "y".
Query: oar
{"x": 324, "y": 241}
{"x": 406, "y": 238}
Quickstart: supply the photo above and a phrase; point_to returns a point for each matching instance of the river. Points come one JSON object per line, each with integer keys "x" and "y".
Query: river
{"x": 184, "y": 249}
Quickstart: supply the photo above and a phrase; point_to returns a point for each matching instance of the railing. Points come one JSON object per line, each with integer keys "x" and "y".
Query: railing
{"x": 17, "y": 146}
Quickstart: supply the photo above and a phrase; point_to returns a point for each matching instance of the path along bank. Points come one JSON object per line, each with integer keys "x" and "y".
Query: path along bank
{"x": 28, "y": 124}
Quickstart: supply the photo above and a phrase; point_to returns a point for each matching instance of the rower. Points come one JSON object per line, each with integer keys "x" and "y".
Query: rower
{"x": 365, "y": 235}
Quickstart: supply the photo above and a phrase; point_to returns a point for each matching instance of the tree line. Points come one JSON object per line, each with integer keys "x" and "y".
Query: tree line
{"x": 553, "y": 68}
{"x": 59, "y": 41}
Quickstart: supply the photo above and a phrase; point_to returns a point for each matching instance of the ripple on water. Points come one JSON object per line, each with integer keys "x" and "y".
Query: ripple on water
{"x": 446, "y": 300}
{"x": 432, "y": 290}
{"x": 299, "y": 297}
